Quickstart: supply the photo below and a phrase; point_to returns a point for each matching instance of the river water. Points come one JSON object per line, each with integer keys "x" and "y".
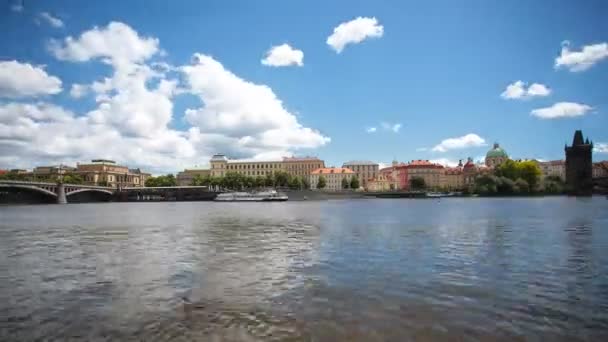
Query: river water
{"x": 357, "y": 270}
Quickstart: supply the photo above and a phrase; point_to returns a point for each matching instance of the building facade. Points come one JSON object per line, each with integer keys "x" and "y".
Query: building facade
{"x": 107, "y": 172}
{"x": 220, "y": 165}
{"x": 433, "y": 174}
{"x": 453, "y": 179}
{"x": 186, "y": 177}
{"x": 553, "y": 168}
{"x": 600, "y": 169}
{"x": 302, "y": 166}
{"x": 496, "y": 156}
{"x": 333, "y": 177}
{"x": 51, "y": 173}
{"x": 364, "y": 170}
{"x": 579, "y": 166}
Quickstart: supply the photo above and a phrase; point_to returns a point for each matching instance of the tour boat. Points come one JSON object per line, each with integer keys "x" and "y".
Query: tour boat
{"x": 259, "y": 196}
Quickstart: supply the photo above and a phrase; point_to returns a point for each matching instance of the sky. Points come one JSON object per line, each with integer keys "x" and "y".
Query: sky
{"x": 163, "y": 85}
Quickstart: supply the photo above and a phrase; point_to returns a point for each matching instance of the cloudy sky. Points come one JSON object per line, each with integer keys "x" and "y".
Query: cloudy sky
{"x": 164, "y": 85}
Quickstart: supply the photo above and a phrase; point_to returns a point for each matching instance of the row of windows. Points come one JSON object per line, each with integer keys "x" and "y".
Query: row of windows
{"x": 252, "y": 166}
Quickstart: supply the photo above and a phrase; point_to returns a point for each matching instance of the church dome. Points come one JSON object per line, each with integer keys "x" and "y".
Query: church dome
{"x": 497, "y": 152}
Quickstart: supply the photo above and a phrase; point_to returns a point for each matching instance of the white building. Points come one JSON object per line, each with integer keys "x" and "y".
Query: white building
{"x": 556, "y": 168}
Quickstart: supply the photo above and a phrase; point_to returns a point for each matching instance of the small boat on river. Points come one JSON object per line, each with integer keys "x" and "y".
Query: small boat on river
{"x": 258, "y": 196}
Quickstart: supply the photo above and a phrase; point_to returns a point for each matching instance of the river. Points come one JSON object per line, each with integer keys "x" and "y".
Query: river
{"x": 357, "y": 270}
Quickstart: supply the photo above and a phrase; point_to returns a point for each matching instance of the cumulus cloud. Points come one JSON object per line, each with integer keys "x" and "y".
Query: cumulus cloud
{"x": 583, "y": 59}
{"x": 562, "y": 110}
{"x": 236, "y": 107}
{"x": 130, "y": 121}
{"x": 371, "y": 130}
{"x": 51, "y": 20}
{"x": 519, "y": 90}
{"x": 354, "y": 32}
{"x": 283, "y": 55}
{"x": 18, "y": 80}
{"x": 116, "y": 44}
{"x": 600, "y": 148}
{"x": 78, "y": 90}
{"x": 465, "y": 141}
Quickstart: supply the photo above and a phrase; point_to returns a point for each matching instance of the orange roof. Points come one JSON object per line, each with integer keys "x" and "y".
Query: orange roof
{"x": 329, "y": 170}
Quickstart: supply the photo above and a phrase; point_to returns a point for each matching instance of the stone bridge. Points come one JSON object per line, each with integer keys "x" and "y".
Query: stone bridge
{"x": 59, "y": 191}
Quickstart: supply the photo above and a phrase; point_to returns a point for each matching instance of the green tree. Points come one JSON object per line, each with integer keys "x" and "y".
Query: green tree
{"x": 73, "y": 179}
{"x": 345, "y": 183}
{"x": 281, "y": 178}
{"x": 260, "y": 181}
{"x": 530, "y": 172}
{"x": 354, "y": 183}
{"x": 295, "y": 183}
{"x": 305, "y": 183}
{"x": 161, "y": 181}
{"x": 417, "y": 183}
{"x": 522, "y": 186}
{"x": 269, "y": 179}
{"x": 321, "y": 183}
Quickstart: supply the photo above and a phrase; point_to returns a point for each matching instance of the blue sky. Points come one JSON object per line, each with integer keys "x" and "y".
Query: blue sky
{"x": 435, "y": 73}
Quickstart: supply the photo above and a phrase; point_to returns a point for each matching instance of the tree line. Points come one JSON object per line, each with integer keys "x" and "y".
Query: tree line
{"x": 517, "y": 177}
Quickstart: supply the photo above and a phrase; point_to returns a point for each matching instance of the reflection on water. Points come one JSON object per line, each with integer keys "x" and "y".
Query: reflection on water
{"x": 480, "y": 269}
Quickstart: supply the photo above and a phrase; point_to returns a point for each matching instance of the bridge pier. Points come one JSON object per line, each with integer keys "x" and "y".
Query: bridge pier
{"x": 61, "y": 197}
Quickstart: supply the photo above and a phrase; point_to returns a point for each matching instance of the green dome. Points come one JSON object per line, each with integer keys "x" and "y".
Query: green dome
{"x": 497, "y": 152}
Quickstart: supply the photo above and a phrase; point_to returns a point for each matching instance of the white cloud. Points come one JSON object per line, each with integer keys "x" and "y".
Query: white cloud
{"x": 117, "y": 44}
{"x": 518, "y": 90}
{"x": 371, "y": 130}
{"x": 562, "y": 110}
{"x": 600, "y": 147}
{"x": 236, "y": 107}
{"x": 353, "y": 32}
{"x": 25, "y": 80}
{"x": 465, "y": 141}
{"x": 283, "y": 55}
{"x": 583, "y": 59}
{"x": 51, "y": 20}
{"x": 391, "y": 127}
{"x": 134, "y": 107}
{"x": 444, "y": 162}
{"x": 78, "y": 90}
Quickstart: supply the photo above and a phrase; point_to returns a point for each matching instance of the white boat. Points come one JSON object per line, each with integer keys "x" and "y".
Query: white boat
{"x": 259, "y": 196}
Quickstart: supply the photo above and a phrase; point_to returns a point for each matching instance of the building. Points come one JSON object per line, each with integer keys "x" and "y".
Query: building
{"x": 364, "y": 170}
{"x": 51, "y": 173}
{"x": 453, "y": 178}
{"x": 496, "y": 156}
{"x": 600, "y": 169}
{"x": 382, "y": 182}
{"x": 553, "y": 168}
{"x": 186, "y": 177}
{"x": 431, "y": 173}
{"x": 220, "y": 165}
{"x": 107, "y": 172}
{"x": 579, "y": 167}
{"x": 302, "y": 166}
{"x": 333, "y": 177}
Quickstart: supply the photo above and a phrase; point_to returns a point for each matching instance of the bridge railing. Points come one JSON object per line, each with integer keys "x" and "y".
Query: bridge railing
{"x": 55, "y": 184}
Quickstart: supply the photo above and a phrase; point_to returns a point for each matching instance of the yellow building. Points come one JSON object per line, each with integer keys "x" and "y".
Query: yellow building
{"x": 364, "y": 170}
{"x": 102, "y": 171}
{"x": 302, "y": 167}
{"x": 51, "y": 173}
{"x": 453, "y": 179}
{"x": 186, "y": 177}
{"x": 333, "y": 177}
{"x": 433, "y": 174}
{"x": 382, "y": 182}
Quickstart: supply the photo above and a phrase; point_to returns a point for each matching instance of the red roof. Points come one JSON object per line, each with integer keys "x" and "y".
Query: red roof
{"x": 419, "y": 164}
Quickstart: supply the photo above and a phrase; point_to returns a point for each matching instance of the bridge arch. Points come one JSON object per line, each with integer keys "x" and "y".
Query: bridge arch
{"x": 85, "y": 190}
{"x": 29, "y": 187}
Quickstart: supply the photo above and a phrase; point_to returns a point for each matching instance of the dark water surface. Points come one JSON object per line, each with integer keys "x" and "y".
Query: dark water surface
{"x": 358, "y": 270}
